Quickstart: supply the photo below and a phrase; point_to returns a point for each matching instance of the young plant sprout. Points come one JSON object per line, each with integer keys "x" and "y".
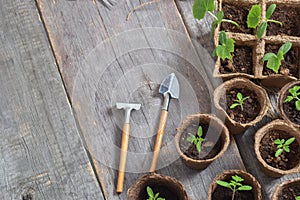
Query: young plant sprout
{"x": 235, "y": 184}
{"x": 283, "y": 145}
{"x": 273, "y": 60}
{"x": 297, "y": 198}
{"x": 225, "y": 48}
{"x": 294, "y": 94}
{"x": 201, "y": 7}
{"x": 152, "y": 196}
{"x": 197, "y": 139}
{"x": 239, "y": 101}
{"x": 254, "y": 19}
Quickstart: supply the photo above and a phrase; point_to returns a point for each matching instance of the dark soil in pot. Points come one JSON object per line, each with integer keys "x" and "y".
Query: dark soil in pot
{"x": 209, "y": 149}
{"x": 289, "y": 193}
{"x": 290, "y": 111}
{"x": 241, "y": 61}
{"x": 290, "y": 64}
{"x": 289, "y": 16}
{"x": 226, "y": 194}
{"x": 163, "y": 191}
{"x": 268, "y": 149}
{"x": 237, "y": 14}
{"x": 251, "y": 106}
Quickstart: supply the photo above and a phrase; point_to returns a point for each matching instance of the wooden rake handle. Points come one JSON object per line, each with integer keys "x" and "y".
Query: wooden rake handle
{"x": 159, "y": 138}
{"x": 123, "y": 155}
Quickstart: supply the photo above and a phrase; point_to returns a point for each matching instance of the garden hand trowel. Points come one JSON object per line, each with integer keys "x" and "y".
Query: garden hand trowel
{"x": 170, "y": 89}
{"x": 128, "y": 107}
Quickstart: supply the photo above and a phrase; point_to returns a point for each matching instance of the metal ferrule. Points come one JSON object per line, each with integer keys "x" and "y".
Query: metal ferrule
{"x": 166, "y": 103}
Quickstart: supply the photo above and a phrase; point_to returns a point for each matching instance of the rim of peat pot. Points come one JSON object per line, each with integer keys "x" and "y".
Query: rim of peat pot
{"x": 135, "y": 191}
{"x": 281, "y": 96}
{"x": 248, "y": 179}
{"x": 283, "y": 185}
{"x": 211, "y": 120}
{"x": 274, "y": 125}
{"x": 262, "y": 97}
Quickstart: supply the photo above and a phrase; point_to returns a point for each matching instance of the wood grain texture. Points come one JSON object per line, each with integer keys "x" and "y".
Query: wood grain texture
{"x": 100, "y": 64}
{"x": 42, "y": 155}
{"x": 199, "y": 31}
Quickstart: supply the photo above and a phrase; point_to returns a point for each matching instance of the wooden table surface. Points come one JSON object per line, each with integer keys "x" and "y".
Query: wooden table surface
{"x": 64, "y": 65}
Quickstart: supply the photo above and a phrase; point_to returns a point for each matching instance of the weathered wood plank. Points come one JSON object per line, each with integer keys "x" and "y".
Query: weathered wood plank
{"x": 42, "y": 155}
{"x": 101, "y": 64}
{"x": 200, "y": 32}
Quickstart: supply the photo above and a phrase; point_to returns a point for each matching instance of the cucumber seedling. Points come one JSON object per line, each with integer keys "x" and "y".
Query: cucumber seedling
{"x": 294, "y": 95}
{"x": 197, "y": 139}
{"x": 225, "y": 48}
{"x": 254, "y": 19}
{"x": 235, "y": 184}
{"x": 201, "y": 7}
{"x": 283, "y": 145}
{"x": 273, "y": 60}
{"x": 152, "y": 196}
{"x": 239, "y": 101}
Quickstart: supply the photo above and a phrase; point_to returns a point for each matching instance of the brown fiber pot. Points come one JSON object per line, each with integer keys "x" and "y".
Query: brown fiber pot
{"x": 279, "y": 189}
{"x": 282, "y": 95}
{"x": 221, "y": 131}
{"x": 139, "y": 187}
{"x": 275, "y": 125}
{"x": 262, "y": 96}
{"x": 248, "y": 180}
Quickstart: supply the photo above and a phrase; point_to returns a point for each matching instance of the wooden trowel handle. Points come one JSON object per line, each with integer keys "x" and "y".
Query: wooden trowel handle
{"x": 159, "y": 138}
{"x": 123, "y": 155}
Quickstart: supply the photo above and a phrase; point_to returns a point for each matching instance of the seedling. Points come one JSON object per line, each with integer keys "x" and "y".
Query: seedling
{"x": 225, "y": 48}
{"x": 239, "y": 101}
{"x": 273, "y": 60}
{"x": 283, "y": 145}
{"x": 254, "y": 19}
{"x": 197, "y": 139}
{"x": 152, "y": 196}
{"x": 235, "y": 184}
{"x": 201, "y": 7}
{"x": 294, "y": 94}
{"x": 297, "y": 198}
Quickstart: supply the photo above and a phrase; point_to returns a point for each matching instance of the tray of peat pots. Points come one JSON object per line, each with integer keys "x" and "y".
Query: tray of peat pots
{"x": 277, "y": 148}
{"x": 289, "y": 103}
{"x": 234, "y": 185}
{"x": 287, "y": 190}
{"x": 201, "y": 139}
{"x": 255, "y": 39}
{"x": 154, "y": 186}
{"x": 242, "y": 102}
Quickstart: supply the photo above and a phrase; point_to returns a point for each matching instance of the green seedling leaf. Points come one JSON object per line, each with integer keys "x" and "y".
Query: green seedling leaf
{"x": 254, "y": 16}
{"x": 297, "y": 198}
{"x": 159, "y": 198}
{"x": 278, "y": 152}
{"x": 223, "y": 184}
{"x": 286, "y": 148}
{"x": 225, "y": 48}
{"x": 277, "y": 141}
{"x": 200, "y": 7}
{"x": 245, "y": 188}
{"x": 288, "y": 99}
{"x": 285, "y": 47}
{"x": 262, "y": 29}
{"x": 270, "y": 11}
{"x": 239, "y": 96}
{"x": 198, "y": 146}
{"x": 237, "y": 178}
{"x": 220, "y": 16}
{"x": 289, "y": 141}
{"x": 234, "y": 105}
{"x": 150, "y": 192}
{"x": 191, "y": 139}
{"x": 200, "y": 132}
{"x": 297, "y": 104}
